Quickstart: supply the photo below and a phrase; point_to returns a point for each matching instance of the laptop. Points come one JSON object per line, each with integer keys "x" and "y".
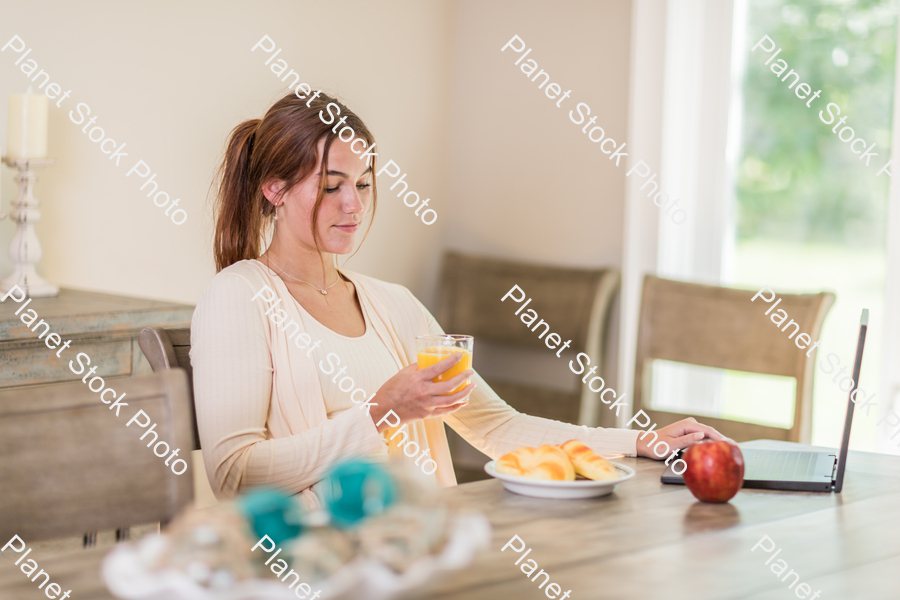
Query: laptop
{"x": 799, "y": 471}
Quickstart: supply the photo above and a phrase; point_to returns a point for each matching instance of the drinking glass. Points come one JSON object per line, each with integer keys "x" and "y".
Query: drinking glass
{"x": 433, "y": 348}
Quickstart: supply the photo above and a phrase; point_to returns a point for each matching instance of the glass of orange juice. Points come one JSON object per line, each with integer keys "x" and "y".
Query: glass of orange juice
{"x": 433, "y": 348}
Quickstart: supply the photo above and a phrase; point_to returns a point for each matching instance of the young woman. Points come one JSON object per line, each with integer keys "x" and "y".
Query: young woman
{"x": 269, "y": 410}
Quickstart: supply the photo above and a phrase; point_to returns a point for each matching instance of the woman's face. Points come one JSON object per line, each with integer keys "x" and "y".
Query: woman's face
{"x": 345, "y": 201}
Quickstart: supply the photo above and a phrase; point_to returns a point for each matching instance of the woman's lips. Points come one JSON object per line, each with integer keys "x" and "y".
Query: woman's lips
{"x": 350, "y": 228}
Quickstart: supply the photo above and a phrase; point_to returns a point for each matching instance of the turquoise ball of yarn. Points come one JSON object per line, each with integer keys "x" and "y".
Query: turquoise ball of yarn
{"x": 358, "y": 489}
{"x": 273, "y": 513}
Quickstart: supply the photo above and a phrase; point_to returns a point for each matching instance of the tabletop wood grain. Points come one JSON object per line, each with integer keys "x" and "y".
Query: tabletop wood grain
{"x": 647, "y": 540}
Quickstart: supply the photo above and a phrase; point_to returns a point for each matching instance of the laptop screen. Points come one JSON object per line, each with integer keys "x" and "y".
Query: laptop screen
{"x": 857, "y": 364}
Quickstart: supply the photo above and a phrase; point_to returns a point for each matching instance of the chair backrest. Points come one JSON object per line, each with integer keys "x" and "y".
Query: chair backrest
{"x": 68, "y": 464}
{"x": 167, "y": 349}
{"x": 575, "y": 302}
{"x": 720, "y": 327}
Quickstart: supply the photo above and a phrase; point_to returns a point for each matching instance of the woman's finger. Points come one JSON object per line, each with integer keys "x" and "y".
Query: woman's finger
{"x": 686, "y": 426}
{"x": 441, "y": 366}
{"x": 450, "y": 399}
{"x": 676, "y": 443}
{"x": 445, "y": 387}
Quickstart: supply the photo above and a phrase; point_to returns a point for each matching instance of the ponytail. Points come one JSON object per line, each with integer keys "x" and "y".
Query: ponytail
{"x": 240, "y": 209}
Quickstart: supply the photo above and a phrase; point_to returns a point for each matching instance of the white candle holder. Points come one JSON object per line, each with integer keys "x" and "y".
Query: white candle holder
{"x": 25, "y": 249}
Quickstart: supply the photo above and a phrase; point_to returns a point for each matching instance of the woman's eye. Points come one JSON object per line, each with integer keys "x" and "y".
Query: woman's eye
{"x": 363, "y": 186}
{"x": 332, "y": 190}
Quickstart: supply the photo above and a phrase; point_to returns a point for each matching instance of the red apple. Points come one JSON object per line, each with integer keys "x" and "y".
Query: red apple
{"x": 715, "y": 470}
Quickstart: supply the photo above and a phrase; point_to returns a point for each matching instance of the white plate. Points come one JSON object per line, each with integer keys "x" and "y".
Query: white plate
{"x": 543, "y": 488}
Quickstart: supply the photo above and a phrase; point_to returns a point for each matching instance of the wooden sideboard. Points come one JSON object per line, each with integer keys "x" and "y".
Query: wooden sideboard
{"x": 104, "y": 326}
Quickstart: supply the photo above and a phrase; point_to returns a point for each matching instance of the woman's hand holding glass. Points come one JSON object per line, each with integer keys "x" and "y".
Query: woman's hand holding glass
{"x": 412, "y": 394}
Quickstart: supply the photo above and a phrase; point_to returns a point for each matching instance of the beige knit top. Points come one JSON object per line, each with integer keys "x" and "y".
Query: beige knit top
{"x": 265, "y": 417}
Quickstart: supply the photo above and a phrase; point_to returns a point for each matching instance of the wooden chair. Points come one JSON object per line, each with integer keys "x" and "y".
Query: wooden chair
{"x": 720, "y": 327}
{"x": 575, "y": 302}
{"x": 68, "y": 464}
{"x": 168, "y": 349}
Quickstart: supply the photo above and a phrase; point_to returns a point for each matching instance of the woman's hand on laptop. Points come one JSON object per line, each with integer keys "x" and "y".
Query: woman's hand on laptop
{"x": 678, "y": 435}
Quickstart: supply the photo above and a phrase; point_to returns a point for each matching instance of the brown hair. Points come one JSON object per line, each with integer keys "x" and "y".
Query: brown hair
{"x": 281, "y": 145}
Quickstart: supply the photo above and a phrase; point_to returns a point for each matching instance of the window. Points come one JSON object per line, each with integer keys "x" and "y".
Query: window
{"x": 774, "y": 196}
{"x": 810, "y": 216}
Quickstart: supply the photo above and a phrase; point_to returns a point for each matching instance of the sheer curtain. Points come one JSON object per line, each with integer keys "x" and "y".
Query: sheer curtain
{"x": 684, "y": 95}
{"x": 890, "y": 380}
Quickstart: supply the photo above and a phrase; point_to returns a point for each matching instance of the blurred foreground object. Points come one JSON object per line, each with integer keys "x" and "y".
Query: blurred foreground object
{"x": 382, "y": 530}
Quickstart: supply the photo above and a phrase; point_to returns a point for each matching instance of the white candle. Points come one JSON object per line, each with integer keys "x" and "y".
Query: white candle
{"x": 27, "y": 126}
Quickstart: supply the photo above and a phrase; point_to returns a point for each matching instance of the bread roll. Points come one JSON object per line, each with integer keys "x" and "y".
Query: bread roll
{"x": 588, "y": 463}
{"x": 543, "y": 462}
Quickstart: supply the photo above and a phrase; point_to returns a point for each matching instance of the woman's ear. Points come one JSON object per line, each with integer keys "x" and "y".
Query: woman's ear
{"x": 272, "y": 190}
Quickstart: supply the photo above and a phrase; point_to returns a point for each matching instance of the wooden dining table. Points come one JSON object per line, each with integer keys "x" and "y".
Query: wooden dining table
{"x": 646, "y": 540}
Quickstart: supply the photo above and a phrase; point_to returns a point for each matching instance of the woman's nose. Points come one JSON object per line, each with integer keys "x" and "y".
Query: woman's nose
{"x": 353, "y": 203}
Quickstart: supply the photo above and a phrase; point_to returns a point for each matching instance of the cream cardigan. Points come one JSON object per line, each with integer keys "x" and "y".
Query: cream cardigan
{"x": 260, "y": 408}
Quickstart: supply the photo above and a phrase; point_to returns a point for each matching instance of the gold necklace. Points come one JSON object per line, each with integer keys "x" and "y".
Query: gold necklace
{"x": 323, "y": 290}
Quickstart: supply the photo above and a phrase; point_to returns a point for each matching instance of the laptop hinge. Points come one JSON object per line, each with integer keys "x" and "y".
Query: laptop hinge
{"x": 834, "y": 468}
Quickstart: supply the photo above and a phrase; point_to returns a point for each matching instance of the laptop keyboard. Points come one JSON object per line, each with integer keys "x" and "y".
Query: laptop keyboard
{"x": 779, "y": 465}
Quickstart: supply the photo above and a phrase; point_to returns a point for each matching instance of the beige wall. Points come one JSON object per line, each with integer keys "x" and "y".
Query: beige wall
{"x": 171, "y": 79}
{"x": 507, "y": 172}
{"x": 525, "y": 182}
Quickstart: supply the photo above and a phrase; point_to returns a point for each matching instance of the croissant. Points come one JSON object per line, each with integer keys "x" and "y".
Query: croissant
{"x": 588, "y": 463}
{"x": 543, "y": 462}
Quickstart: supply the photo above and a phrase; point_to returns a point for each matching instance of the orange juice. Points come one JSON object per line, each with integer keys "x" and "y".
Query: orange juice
{"x": 430, "y": 356}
